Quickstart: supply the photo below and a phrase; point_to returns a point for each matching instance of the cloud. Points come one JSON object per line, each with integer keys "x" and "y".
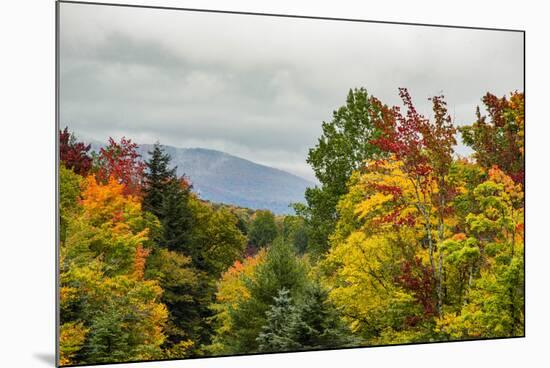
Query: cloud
{"x": 259, "y": 87}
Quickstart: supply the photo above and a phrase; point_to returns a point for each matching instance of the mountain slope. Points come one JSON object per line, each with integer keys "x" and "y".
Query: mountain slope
{"x": 220, "y": 177}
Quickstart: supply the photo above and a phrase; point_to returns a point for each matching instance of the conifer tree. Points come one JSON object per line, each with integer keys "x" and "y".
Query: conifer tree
{"x": 312, "y": 323}
{"x": 281, "y": 270}
{"x": 276, "y": 334}
{"x": 176, "y": 217}
{"x": 318, "y": 324}
{"x": 167, "y": 197}
{"x": 157, "y": 176}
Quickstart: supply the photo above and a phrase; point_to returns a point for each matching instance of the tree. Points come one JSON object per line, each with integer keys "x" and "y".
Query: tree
{"x": 281, "y": 269}
{"x": 69, "y": 194}
{"x": 128, "y": 323}
{"x": 341, "y": 149}
{"x": 362, "y": 274}
{"x": 176, "y": 217}
{"x": 498, "y": 139}
{"x": 276, "y": 334}
{"x": 311, "y": 323}
{"x": 293, "y": 230}
{"x": 167, "y": 197}
{"x": 494, "y": 301}
{"x": 378, "y": 267}
{"x": 157, "y": 176}
{"x": 71, "y": 339}
{"x": 108, "y": 310}
{"x": 425, "y": 148}
{"x": 183, "y": 289}
{"x": 318, "y": 324}
{"x": 231, "y": 291}
{"x": 121, "y": 161}
{"x": 215, "y": 238}
{"x": 74, "y": 155}
{"x": 111, "y": 226}
{"x": 263, "y": 229}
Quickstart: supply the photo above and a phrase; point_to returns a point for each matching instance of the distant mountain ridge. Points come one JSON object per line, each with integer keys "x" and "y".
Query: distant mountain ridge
{"x": 220, "y": 177}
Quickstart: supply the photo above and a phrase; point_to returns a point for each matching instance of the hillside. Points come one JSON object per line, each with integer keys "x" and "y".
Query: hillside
{"x": 220, "y": 177}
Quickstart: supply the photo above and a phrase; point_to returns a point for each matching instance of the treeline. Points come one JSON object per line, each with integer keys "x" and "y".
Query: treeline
{"x": 401, "y": 242}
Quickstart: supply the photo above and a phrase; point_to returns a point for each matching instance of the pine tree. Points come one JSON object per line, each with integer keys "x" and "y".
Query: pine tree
{"x": 176, "y": 217}
{"x": 167, "y": 197}
{"x": 157, "y": 176}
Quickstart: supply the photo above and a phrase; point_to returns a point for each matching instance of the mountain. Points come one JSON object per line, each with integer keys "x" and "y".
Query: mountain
{"x": 220, "y": 177}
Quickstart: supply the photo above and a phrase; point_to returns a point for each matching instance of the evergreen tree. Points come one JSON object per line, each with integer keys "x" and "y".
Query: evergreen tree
{"x": 108, "y": 340}
{"x": 167, "y": 197}
{"x": 281, "y": 270}
{"x": 313, "y": 323}
{"x": 276, "y": 334}
{"x": 317, "y": 324}
{"x": 186, "y": 292}
{"x": 157, "y": 176}
{"x": 176, "y": 217}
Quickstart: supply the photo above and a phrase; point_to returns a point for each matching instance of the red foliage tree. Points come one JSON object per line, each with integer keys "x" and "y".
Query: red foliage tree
{"x": 422, "y": 145}
{"x": 121, "y": 161}
{"x": 426, "y": 149}
{"x": 73, "y": 154}
{"x": 498, "y": 139}
{"x": 419, "y": 279}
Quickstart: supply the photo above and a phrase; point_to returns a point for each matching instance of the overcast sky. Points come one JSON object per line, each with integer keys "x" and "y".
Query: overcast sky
{"x": 259, "y": 87}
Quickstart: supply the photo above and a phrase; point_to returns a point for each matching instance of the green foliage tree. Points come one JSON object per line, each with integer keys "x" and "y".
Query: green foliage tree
{"x": 183, "y": 294}
{"x": 341, "y": 149}
{"x": 293, "y": 230}
{"x": 263, "y": 229}
{"x": 231, "y": 291}
{"x": 493, "y": 302}
{"x": 69, "y": 193}
{"x": 318, "y": 324}
{"x": 121, "y": 329}
{"x": 167, "y": 197}
{"x": 215, "y": 237}
{"x": 280, "y": 270}
{"x": 311, "y": 323}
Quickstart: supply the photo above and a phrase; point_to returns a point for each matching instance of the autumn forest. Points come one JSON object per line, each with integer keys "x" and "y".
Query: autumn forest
{"x": 401, "y": 241}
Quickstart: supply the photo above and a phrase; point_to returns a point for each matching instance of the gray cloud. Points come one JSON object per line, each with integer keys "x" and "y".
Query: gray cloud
{"x": 259, "y": 87}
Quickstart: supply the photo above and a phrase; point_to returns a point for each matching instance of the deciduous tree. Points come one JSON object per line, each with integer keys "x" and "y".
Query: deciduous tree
{"x": 498, "y": 139}
{"x": 341, "y": 149}
{"x": 74, "y": 155}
